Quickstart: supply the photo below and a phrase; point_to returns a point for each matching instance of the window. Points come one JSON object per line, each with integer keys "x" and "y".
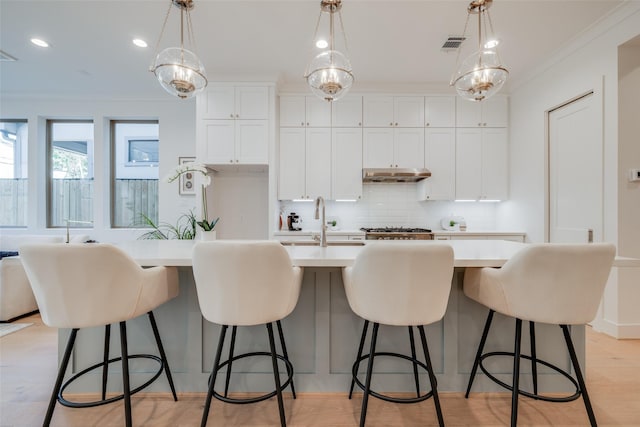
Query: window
{"x": 13, "y": 173}
{"x": 134, "y": 168}
{"x": 70, "y": 173}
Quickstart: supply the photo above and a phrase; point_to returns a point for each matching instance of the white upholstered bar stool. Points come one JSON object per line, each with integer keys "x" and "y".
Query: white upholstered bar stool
{"x": 560, "y": 284}
{"x": 399, "y": 284}
{"x": 88, "y": 285}
{"x": 246, "y": 283}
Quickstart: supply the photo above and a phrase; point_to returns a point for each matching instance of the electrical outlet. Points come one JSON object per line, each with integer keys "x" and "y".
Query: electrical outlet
{"x": 634, "y": 175}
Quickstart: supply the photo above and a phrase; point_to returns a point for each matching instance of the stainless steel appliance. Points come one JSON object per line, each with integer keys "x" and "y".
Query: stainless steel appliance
{"x": 397, "y": 233}
{"x": 293, "y": 221}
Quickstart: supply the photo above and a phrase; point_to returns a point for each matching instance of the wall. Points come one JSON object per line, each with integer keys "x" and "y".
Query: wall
{"x": 396, "y": 205}
{"x": 590, "y": 63}
{"x": 177, "y": 139}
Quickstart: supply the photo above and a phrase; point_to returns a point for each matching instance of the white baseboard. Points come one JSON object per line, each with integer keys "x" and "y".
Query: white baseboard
{"x": 617, "y": 330}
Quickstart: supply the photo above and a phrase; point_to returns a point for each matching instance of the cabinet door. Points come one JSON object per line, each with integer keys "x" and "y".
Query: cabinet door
{"x": 377, "y": 148}
{"x": 291, "y": 182}
{"x": 252, "y": 103}
{"x": 252, "y": 142}
{"x": 495, "y": 158}
{"x": 318, "y": 112}
{"x": 468, "y": 163}
{"x": 439, "y": 158}
{"x": 408, "y": 111}
{"x": 377, "y": 111}
{"x": 346, "y": 153}
{"x": 219, "y": 138}
{"x": 468, "y": 113}
{"x": 292, "y": 111}
{"x": 440, "y": 111}
{"x": 318, "y": 163}
{"x": 219, "y": 103}
{"x": 347, "y": 112}
{"x": 495, "y": 112}
{"x": 408, "y": 148}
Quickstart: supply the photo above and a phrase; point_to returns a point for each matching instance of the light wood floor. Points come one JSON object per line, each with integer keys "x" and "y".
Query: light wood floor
{"x": 28, "y": 362}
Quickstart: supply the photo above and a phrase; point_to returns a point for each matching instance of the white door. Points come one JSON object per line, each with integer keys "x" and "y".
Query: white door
{"x": 318, "y": 163}
{"x": 318, "y": 112}
{"x": 377, "y": 148}
{"x": 252, "y": 142}
{"x": 346, "y": 151}
{"x": 575, "y": 171}
{"x": 440, "y": 158}
{"x": 291, "y": 184}
{"x": 468, "y": 163}
{"x": 347, "y": 113}
{"x": 495, "y": 164}
{"x": 219, "y": 136}
{"x": 408, "y": 111}
{"x": 252, "y": 103}
{"x": 292, "y": 111}
{"x": 377, "y": 111}
{"x": 408, "y": 148}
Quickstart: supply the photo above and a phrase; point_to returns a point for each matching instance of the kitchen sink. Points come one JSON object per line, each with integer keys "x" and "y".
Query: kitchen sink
{"x": 329, "y": 243}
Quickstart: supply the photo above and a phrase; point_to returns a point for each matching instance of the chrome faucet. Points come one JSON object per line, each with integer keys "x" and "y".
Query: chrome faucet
{"x": 323, "y": 225}
{"x": 70, "y": 221}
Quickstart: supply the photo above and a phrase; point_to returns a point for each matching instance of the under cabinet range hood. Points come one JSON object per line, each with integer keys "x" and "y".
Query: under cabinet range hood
{"x": 394, "y": 174}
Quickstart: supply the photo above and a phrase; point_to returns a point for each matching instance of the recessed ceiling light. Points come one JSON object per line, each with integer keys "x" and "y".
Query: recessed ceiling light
{"x": 321, "y": 44}
{"x": 140, "y": 42}
{"x": 491, "y": 43}
{"x": 39, "y": 42}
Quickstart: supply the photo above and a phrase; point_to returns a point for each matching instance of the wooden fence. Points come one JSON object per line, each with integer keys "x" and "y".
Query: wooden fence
{"x": 73, "y": 199}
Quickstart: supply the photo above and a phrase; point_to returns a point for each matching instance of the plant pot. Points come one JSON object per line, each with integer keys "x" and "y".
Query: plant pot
{"x": 207, "y": 235}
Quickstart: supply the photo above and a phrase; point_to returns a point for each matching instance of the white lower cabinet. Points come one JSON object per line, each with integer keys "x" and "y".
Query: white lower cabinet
{"x": 235, "y": 142}
{"x": 440, "y": 159}
{"x": 393, "y": 148}
{"x": 305, "y": 163}
{"x": 513, "y": 237}
{"x": 346, "y": 153}
{"x": 481, "y": 164}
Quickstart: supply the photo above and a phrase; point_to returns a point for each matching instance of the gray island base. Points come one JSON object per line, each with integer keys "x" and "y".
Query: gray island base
{"x": 322, "y": 336}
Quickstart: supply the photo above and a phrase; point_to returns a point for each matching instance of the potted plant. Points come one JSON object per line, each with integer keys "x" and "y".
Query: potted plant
{"x": 207, "y": 226}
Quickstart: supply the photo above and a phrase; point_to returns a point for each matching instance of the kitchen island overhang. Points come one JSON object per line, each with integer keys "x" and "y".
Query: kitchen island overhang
{"x": 322, "y": 333}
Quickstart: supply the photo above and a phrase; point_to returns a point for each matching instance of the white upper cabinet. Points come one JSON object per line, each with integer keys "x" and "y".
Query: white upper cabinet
{"x": 304, "y": 111}
{"x": 440, "y": 111}
{"x": 390, "y": 111}
{"x": 228, "y": 102}
{"x": 481, "y": 164}
{"x": 233, "y": 125}
{"x": 347, "y": 112}
{"x": 493, "y": 112}
{"x": 440, "y": 159}
{"x": 395, "y": 148}
{"x": 305, "y": 163}
{"x": 346, "y": 153}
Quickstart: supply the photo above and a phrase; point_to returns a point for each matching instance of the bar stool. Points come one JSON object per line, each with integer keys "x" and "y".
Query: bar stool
{"x": 399, "y": 284}
{"x": 86, "y": 285}
{"x": 560, "y": 284}
{"x": 246, "y": 283}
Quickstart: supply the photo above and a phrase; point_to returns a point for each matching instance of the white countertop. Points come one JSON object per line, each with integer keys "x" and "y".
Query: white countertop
{"x": 468, "y": 253}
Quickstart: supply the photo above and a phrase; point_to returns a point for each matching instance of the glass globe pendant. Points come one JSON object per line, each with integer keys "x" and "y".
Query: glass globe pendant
{"x": 329, "y": 74}
{"x": 481, "y": 75}
{"x": 180, "y": 71}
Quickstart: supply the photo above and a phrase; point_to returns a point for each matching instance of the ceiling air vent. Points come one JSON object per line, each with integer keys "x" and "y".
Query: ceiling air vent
{"x": 452, "y": 43}
{"x": 4, "y": 56}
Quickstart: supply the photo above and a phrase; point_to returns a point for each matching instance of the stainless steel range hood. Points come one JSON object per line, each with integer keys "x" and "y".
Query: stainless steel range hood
{"x": 394, "y": 175}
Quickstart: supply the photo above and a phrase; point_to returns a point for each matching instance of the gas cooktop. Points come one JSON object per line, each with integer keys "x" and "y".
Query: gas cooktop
{"x": 395, "y": 230}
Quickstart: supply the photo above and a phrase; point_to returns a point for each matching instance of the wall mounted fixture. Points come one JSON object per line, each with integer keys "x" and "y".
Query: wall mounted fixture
{"x": 329, "y": 73}
{"x": 179, "y": 70}
{"x": 481, "y": 74}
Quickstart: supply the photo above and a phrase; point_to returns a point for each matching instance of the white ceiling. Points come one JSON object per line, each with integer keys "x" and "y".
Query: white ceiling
{"x": 392, "y": 43}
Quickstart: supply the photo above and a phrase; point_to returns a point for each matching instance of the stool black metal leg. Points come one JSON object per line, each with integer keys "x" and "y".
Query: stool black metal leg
{"x": 234, "y": 329}
{"x": 415, "y": 365}
{"x": 285, "y": 354}
{"x": 516, "y": 374}
{"x": 105, "y": 360}
{"x": 214, "y": 372}
{"x": 432, "y": 376}
{"x": 125, "y": 374}
{"x": 576, "y": 367}
{"x": 163, "y": 356}
{"x": 534, "y": 364}
{"x": 360, "y": 347}
{"x": 476, "y": 361}
{"x": 60, "y": 377}
{"x": 367, "y": 385}
{"x": 276, "y": 375}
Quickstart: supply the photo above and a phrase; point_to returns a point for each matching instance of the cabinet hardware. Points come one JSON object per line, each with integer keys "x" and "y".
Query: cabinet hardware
{"x": 396, "y": 124}
{"x": 237, "y": 116}
{"x": 231, "y": 115}
{"x": 391, "y": 124}
{"x": 307, "y": 123}
{"x": 427, "y": 124}
{"x": 359, "y": 123}
{"x": 302, "y": 124}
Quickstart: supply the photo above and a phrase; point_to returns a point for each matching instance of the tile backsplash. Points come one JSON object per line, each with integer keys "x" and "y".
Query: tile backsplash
{"x": 395, "y": 205}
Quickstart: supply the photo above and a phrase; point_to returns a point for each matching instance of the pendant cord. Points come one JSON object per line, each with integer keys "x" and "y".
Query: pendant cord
{"x": 315, "y": 35}
{"x": 164, "y": 25}
{"x": 344, "y": 34}
{"x": 464, "y": 37}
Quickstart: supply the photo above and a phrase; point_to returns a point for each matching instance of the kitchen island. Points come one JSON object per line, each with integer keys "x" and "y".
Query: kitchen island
{"x": 322, "y": 333}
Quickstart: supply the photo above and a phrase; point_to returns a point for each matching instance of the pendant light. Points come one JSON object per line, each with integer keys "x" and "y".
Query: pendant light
{"x": 329, "y": 73}
{"x": 481, "y": 75}
{"x": 179, "y": 70}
